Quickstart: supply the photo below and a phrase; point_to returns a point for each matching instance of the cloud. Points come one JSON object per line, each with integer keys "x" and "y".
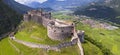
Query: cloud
{"x": 29, "y": 1}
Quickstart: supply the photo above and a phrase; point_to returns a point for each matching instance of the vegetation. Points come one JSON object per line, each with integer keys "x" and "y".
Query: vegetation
{"x": 25, "y": 33}
{"x": 100, "y": 12}
{"x": 9, "y": 19}
{"x": 99, "y": 45}
{"x": 106, "y": 40}
{"x": 6, "y": 48}
{"x": 33, "y": 32}
{"x": 60, "y": 15}
{"x": 91, "y": 49}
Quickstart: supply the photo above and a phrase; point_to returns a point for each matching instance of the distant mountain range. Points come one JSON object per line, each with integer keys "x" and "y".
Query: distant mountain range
{"x": 109, "y": 10}
{"x": 60, "y": 5}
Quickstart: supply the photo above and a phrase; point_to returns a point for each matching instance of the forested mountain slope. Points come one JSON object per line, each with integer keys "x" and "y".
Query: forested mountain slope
{"x": 20, "y": 8}
{"x": 9, "y": 18}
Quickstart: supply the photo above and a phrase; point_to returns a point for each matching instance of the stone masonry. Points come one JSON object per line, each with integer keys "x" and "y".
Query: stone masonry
{"x": 56, "y": 29}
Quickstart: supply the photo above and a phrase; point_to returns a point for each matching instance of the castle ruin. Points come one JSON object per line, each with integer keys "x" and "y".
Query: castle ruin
{"x": 59, "y": 30}
{"x": 38, "y": 16}
{"x": 56, "y": 29}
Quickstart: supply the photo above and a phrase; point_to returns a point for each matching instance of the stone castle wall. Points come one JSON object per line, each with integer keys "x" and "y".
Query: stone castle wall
{"x": 38, "y": 16}
{"x": 45, "y": 21}
{"x": 59, "y": 32}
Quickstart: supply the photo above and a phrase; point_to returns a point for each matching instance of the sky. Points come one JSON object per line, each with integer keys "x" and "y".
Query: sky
{"x": 29, "y": 1}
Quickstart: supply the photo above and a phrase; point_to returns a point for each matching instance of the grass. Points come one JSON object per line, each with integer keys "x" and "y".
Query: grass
{"x": 6, "y": 48}
{"x": 62, "y": 16}
{"x": 91, "y": 49}
{"x": 24, "y": 50}
{"x": 108, "y": 38}
{"x": 34, "y": 32}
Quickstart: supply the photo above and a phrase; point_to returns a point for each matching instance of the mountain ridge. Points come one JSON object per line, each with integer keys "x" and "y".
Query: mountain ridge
{"x": 66, "y": 4}
{"x": 20, "y": 8}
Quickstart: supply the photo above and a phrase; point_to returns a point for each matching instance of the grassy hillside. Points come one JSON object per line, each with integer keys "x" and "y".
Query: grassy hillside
{"x": 9, "y": 19}
{"x": 32, "y": 32}
{"x": 102, "y": 38}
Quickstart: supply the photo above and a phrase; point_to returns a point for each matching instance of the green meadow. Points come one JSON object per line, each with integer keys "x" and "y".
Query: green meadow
{"x": 109, "y": 39}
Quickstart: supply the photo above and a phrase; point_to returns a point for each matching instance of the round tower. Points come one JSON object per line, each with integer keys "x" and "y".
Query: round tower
{"x": 59, "y": 30}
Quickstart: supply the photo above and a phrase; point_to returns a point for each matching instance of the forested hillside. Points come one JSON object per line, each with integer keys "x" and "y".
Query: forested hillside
{"x": 108, "y": 11}
{"x": 20, "y": 8}
{"x": 9, "y": 19}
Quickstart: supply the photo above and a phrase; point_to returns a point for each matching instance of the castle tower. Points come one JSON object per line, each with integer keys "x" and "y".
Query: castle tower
{"x": 81, "y": 35}
{"x": 59, "y": 30}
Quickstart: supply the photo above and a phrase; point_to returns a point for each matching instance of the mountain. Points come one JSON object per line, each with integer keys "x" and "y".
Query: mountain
{"x": 97, "y": 11}
{"x": 60, "y": 5}
{"x": 109, "y": 10}
{"x": 9, "y": 19}
{"x": 115, "y": 4}
{"x": 20, "y": 8}
{"x": 34, "y": 4}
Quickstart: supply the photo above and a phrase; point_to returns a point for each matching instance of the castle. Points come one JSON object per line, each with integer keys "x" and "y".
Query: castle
{"x": 56, "y": 29}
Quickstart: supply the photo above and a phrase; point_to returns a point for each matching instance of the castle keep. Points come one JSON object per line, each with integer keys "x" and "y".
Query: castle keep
{"x": 56, "y": 29}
